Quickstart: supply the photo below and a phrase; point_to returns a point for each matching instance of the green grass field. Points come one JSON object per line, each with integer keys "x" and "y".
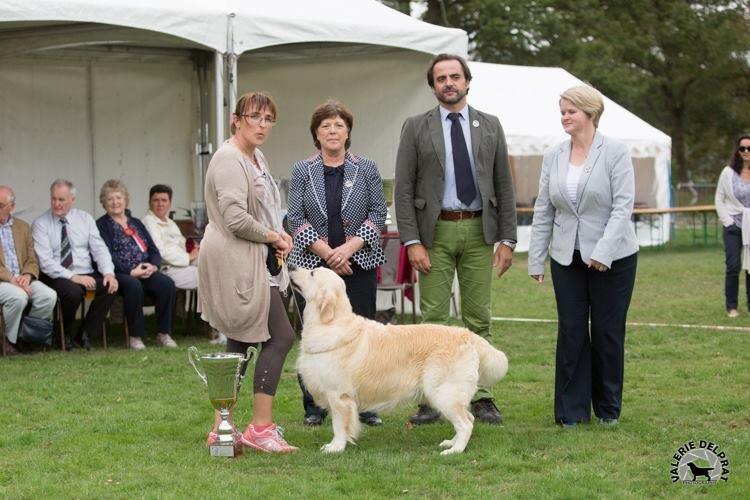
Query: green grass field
{"x": 124, "y": 424}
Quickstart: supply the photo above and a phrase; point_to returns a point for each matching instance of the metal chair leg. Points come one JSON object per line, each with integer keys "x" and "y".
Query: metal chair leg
{"x": 59, "y": 316}
{"x": 2, "y": 330}
{"x": 402, "y": 304}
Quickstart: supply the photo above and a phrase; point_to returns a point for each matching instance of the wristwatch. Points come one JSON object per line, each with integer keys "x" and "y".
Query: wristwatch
{"x": 509, "y": 243}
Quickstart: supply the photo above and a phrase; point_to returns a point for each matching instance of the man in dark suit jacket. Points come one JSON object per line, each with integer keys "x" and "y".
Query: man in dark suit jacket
{"x": 454, "y": 202}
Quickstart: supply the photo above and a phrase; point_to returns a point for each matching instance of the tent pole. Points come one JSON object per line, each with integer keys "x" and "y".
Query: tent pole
{"x": 231, "y": 63}
{"x": 204, "y": 149}
{"x": 92, "y": 129}
{"x": 219, "y": 94}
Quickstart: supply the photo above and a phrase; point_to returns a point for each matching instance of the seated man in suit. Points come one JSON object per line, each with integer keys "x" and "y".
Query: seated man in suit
{"x": 66, "y": 239}
{"x": 19, "y": 272}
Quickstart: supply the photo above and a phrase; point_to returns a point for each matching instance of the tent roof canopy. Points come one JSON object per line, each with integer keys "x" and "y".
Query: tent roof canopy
{"x": 235, "y": 26}
{"x": 526, "y": 98}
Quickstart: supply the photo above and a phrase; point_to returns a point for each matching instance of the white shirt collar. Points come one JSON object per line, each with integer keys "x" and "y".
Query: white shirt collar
{"x": 464, "y": 113}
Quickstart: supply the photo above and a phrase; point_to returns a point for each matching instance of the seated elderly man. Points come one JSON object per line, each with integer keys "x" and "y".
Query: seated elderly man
{"x": 66, "y": 239}
{"x": 19, "y": 272}
{"x": 177, "y": 262}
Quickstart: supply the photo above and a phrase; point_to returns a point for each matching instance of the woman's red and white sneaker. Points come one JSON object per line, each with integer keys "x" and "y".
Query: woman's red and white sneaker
{"x": 213, "y": 437}
{"x": 269, "y": 440}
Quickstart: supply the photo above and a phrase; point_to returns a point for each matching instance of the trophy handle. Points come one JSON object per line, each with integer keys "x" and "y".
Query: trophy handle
{"x": 250, "y": 356}
{"x": 194, "y": 358}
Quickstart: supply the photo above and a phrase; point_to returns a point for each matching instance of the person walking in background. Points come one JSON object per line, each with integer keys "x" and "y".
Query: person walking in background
{"x": 19, "y": 273}
{"x": 137, "y": 261}
{"x": 67, "y": 244}
{"x": 582, "y": 221}
{"x": 732, "y": 203}
{"x": 454, "y": 202}
{"x": 336, "y": 215}
{"x": 239, "y": 296}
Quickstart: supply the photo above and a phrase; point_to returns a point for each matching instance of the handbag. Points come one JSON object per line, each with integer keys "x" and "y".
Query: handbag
{"x": 36, "y": 331}
{"x": 273, "y": 263}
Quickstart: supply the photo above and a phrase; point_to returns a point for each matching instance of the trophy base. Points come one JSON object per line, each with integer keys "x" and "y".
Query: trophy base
{"x": 225, "y": 450}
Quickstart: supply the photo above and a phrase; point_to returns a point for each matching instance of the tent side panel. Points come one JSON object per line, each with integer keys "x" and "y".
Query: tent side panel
{"x": 44, "y": 131}
{"x": 381, "y": 91}
{"x": 145, "y": 128}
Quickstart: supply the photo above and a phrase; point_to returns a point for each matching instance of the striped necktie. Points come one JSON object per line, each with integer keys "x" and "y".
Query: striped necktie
{"x": 66, "y": 254}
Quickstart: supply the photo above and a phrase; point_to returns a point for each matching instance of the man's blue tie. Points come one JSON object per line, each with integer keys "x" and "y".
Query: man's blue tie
{"x": 465, "y": 188}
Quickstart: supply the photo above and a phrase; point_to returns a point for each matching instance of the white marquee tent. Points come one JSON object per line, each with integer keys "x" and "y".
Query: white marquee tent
{"x": 139, "y": 89}
{"x": 526, "y": 101}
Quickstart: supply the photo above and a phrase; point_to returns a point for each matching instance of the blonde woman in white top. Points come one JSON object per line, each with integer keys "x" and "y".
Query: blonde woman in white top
{"x": 732, "y": 202}
{"x": 582, "y": 221}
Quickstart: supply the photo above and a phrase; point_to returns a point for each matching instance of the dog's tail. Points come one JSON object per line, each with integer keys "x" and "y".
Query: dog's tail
{"x": 493, "y": 364}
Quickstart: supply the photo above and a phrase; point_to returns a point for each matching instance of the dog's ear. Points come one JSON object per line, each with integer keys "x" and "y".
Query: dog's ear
{"x": 327, "y": 305}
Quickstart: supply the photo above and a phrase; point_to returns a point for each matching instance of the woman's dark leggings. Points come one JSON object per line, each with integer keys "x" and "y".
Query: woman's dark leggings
{"x": 273, "y": 351}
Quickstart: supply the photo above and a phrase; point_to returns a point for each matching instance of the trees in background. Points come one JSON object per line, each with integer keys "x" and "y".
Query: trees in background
{"x": 682, "y": 65}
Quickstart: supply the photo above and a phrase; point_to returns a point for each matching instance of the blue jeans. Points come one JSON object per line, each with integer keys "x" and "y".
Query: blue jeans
{"x": 732, "y": 251}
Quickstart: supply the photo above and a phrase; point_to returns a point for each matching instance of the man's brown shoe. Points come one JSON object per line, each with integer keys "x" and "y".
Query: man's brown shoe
{"x": 10, "y": 349}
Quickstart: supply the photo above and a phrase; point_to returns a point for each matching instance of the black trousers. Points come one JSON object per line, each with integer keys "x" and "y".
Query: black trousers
{"x": 72, "y": 294}
{"x": 361, "y": 288}
{"x": 733, "y": 260}
{"x": 592, "y": 308}
{"x": 160, "y": 287}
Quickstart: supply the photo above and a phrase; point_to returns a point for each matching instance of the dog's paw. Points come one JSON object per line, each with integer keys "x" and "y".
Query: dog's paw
{"x": 333, "y": 447}
{"x": 451, "y": 451}
{"x": 448, "y": 443}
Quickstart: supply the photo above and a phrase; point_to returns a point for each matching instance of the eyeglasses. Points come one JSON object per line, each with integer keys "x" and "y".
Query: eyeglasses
{"x": 257, "y": 119}
{"x": 742, "y": 149}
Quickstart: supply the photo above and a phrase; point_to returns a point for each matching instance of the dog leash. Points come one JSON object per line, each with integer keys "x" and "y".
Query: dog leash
{"x": 282, "y": 263}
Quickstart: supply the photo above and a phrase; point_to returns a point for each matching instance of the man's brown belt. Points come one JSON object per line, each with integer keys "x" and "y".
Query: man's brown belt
{"x": 458, "y": 215}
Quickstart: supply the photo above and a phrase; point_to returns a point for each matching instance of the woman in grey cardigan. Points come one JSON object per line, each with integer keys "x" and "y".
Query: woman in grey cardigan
{"x": 732, "y": 202}
{"x": 239, "y": 296}
{"x": 582, "y": 220}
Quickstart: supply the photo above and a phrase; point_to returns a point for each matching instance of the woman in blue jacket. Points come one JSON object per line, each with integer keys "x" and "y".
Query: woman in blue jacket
{"x": 336, "y": 214}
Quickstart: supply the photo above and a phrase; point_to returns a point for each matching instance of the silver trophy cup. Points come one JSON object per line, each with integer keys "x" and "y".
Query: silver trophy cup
{"x": 223, "y": 373}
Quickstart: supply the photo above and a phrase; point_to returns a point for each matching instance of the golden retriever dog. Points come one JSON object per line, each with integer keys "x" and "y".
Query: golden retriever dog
{"x": 352, "y": 364}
